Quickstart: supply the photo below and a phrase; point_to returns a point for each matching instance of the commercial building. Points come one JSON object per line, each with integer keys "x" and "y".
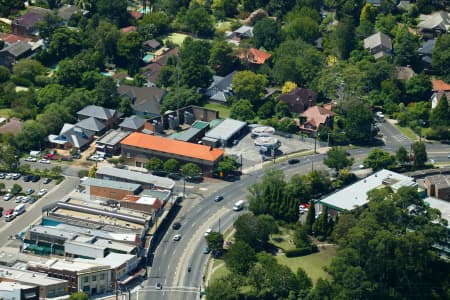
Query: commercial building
{"x": 147, "y": 181}
{"x": 225, "y": 133}
{"x": 18, "y": 291}
{"x": 438, "y": 186}
{"x": 109, "y": 143}
{"x": 111, "y": 189}
{"x": 138, "y": 148}
{"x": 443, "y": 247}
{"x": 355, "y": 195}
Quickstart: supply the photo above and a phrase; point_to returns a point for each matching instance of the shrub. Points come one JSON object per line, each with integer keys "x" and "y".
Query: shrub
{"x": 83, "y": 173}
{"x": 302, "y": 251}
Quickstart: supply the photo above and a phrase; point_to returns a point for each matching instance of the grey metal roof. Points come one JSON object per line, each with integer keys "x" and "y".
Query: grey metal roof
{"x": 157, "y": 181}
{"x": 152, "y": 43}
{"x": 133, "y": 122}
{"x": 98, "y": 112}
{"x": 18, "y": 49}
{"x": 427, "y": 47}
{"x": 187, "y": 135}
{"x": 92, "y": 124}
{"x": 226, "y": 129}
{"x": 112, "y": 137}
{"x": 356, "y": 194}
{"x": 120, "y": 185}
{"x": 376, "y": 40}
{"x": 437, "y": 20}
{"x": 72, "y": 134}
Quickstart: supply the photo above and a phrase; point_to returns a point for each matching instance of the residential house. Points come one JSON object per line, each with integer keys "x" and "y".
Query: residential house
{"x": 71, "y": 136}
{"x": 151, "y": 45}
{"x": 11, "y": 54}
{"x": 132, "y": 123}
{"x": 433, "y": 25}
{"x": 220, "y": 89}
{"x": 66, "y": 11}
{"x": 316, "y": 116}
{"x": 139, "y": 148}
{"x": 27, "y": 23}
{"x": 145, "y": 101}
{"x": 107, "y": 116}
{"x": 10, "y": 38}
{"x": 299, "y": 99}
{"x": 242, "y": 32}
{"x": 379, "y": 44}
{"x": 438, "y": 186}
{"x": 405, "y": 73}
{"x": 152, "y": 70}
{"x": 254, "y": 56}
{"x": 128, "y": 29}
{"x": 426, "y": 52}
{"x": 440, "y": 88}
{"x": 109, "y": 143}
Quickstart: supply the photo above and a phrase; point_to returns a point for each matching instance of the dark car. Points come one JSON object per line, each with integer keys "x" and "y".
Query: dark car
{"x": 46, "y": 180}
{"x": 27, "y": 178}
{"x": 32, "y": 199}
{"x": 194, "y": 178}
{"x": 174, "y": 176}
{"x": 218, "y": 198}
{"x": 176, "y": 225}
{"x": 35, "y": 178}
{"x": 159, "y": 173}
{"x": 158, "y": 286}
{"x": 293, "y": 161}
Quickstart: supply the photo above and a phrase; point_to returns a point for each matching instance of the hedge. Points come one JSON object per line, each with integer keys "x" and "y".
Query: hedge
{"x": 301, "y": 251}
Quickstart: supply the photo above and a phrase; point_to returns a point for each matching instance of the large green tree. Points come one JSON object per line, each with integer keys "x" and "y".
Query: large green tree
{"x": 441, "y": 55}
{"x": 266, "y": 34}
{"x": 379, "y": 159}
{"x": 240, "y": 257}
{"x": 221, "y": 58}
{"x": 420, "y": 154}
{"x": 358, "y": 121}
{"x": 440, "y": 115}
{"x": 242, "y": 110}
{"x": 113, "y": 10}
{"x": 249, "y": 85}
{"x": 337, "y": 159}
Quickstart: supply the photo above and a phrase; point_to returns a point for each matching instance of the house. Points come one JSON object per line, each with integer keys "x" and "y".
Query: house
{"x": 299, "y": 99}
{"x": 135, "y": 15}
{"x": 71, "y": 136}
{"x": 151, "y": 45}
{"x": 440, "y": 88}
{"x": 107, "y": 116}
{"x": 10, "y": 38}
{"x": 254, "y": 56}
{"x": 152, "y": 70}
{"x": 404, "y": 5}
{"x": 426, "y": 52}
{"x": 109, "y": 143}
{"x": 27, "y": 23}
{"x": 133, "y": 123}
{"x": 128, "y": 29}
{"x": 138, "y": 148}
{"x": 110, "y": 189}
{"x": 145, "y": 101}
{"x": 405, "y": 73}
{"x": 92, "y": 124}
{"x": 433, "y": 25}
{"x": 220, "y": 89}
{"x": 242, "y": 32}
{"x": 379, "y": 44}
{"x": 13, "y": 126}
{"x": 438, "y": 186}
{"x": 11, "y": 54}
{"x": 316, "y": 116}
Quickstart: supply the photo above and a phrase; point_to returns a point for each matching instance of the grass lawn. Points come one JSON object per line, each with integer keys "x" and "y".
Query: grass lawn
{"x": 282, "y": 239}
{"x": 223, "y": 26}
{"x": 176, "y": 38}
{"x": 407, "y": 132}
{"x": 220, "y": 272}
{"x": 224, "y": 110}
{"x": 313, "y": 264}
{"x": 5, "y": 112}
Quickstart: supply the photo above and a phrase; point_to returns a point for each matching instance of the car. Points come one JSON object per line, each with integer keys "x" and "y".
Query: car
{"x": 32, "y": 199}
{"x": 31, "y": 159}
{"x": 176, "y": 225}
{"x": 293, "y": 161}
{"x": 448, "y": 156}
{"x": 19, "y": 199}
{"x": 1, "y": 209}
{"x": 174, "y": 176}
{"x": 16, "y": 176}
{"x": 2, "y": 175}
{"x": 42, "y": 192}
{"x": 29, "y": 192}
{"x": 177, "y": 237}
{"x": 27, "y": 178}
{"x": 158, "y": 286}
{"x": 206, "y": 250}
{"x": 35, "y": 178}
{"x": 8, "y": 197}
{"x": 46, "y": 180}
{"x": 208, "y": 231}
{"x": 361, "y": 166}
{"x": 218, "y": 198}
{"x": 8, "y": 176}
{"x": 44, "y": 161}
{"x": 26, "y": 199}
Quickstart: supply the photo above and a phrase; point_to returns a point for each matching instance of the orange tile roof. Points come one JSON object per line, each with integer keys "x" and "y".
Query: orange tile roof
{"x": 255, "y": 56}
{"x": 135, "y": 14}
{"x": 316, "y": 115}
{"x": 128, "y": 29}
{"x": 439, "y": 85}
{"x": 165, "y": 145}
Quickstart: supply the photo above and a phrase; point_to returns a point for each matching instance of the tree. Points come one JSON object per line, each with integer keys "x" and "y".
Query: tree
{"x": 282, "y": 110}
{"x": 441, "y": 55}
{"x": 224, "y": 8}
{"x": 368, "y": 13}
{"x": 302, "y": 26}
{"x": 4, "y": 74}
{"x": 304, "y": 282}
{"x": 48, "y": 25}
{"x": 418, "y": 88}
{"x": 288, "y": 87}
{"x": 64, "y": 43}
{"x": 197, "y": 20}
{"x": 440, "y": 115}
{"x": 311, "y": 217}
{"x": 92, "y": 171}
{"x": 301, "y": 237}
{"x": 337, "y": 159}
{"x": 402, "y": 155}
{"x": 420, "y": 154}
{"x": 240, "y": 258}
{"x": 159, "y": 19}
{"x": 129, "y": 48}
{"x": 28, "y": 69}
{"x": 249, "y": 85}
{"x": 16, "y": 189}
{"x": 379, "y": 159}
{"x": 242, "y": 110}
{"x": 254, "y": 230}
{"x": 405, "y": 45}
{"x": 358, "y": 121}
{"x": 266, "y": 34}
{"x": 190, "y": 169}
{"x": 113, "y": 10}
{"x": 344, "y": 38}
{"x": 221, "y": 58}
{"x": 154, "y": 164}
{"x": 78, "y": 296}
{"x": 227, "y": 165}
{"x": 183, "y": 97}
{"x": 52, "y": 93}
{"x": 222, "y": 289}
{"x": 125, "y": 106}
{"x": 9, "y": 158}
{"x": 171, "y": 165}
{"x": 215, "y": 241}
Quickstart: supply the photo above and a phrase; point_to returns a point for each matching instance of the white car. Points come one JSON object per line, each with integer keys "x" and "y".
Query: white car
{"x": 19, "y": 199}
{"x": 31, "y": 159}
{"x": 208, "y": 231}
{"x": 44, "y": 161}
{"x": 177, "y": 237}
{"x": 8, "y": 197}
{"x": 42, "y": 192}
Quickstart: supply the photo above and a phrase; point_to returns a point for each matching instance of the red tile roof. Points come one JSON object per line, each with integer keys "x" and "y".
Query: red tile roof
{"x": 316, "y": 115}
{"x": 136, "y": 15}
{"x": 439, "y": 85}
{"x": 165, "y": 145}
{"x": 255, "y": 56}
{"x": 13, "y": 38}
{"x": 128, "y": 29}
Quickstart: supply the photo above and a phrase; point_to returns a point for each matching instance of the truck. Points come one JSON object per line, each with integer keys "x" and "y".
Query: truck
{"x": 20, "y": 209}
{"x": 238, "y": 205}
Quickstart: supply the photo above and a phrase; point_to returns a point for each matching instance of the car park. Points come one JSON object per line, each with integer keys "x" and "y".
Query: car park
{"x": 177, "y": 237}
{"x": 42, "y": 192}
{"x": 293, "y": 161}
{"x": 176, "y": 225}
{"x": 46, "y": 180}
{"x": 31, "y": 159}
{"x": 29, "y": 191}
{"x": 35, "y": 178}
{"x": 44, "y": 161}
{"x": 218, "y": 198}
{"x": 8, "y": 197}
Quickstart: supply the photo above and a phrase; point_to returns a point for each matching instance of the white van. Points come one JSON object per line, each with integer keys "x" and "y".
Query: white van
{"x": 239, "y": 205}
{"x": 20, "y": 209}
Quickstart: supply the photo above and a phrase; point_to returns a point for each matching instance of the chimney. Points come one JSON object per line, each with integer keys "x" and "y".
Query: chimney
{"x": 210, "y": 148}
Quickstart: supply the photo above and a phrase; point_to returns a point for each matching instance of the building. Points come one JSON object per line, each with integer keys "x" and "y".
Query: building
{"x": 438, "y": 186}
{"x": 160, "y": 59}
{"x": 355, "y": 195}
{"x": 26, "y": 24}
{"x": 13, "y": 126}
{"x": 299, "y": 99}
{"x": 111, "y": 189}
{"x": 433, "y": 25}
{"x": 47, "y": 286}
{"x": 151, "y": 45}
{"x": 145, "y": 180}
{"x": 243, "y": 32}
{"x": 254, "y": 56}
{"x": 440, "y": 88}
{"x": 145, "y": 101}
{"x": 316, "y": 116}
{"x": 109, "y": 143}
{"x": 226, "y": 133}
{"x": 379, "y": 45}
{"x": 108, "y": 117}
{"x": 142, "y": 203}
{"x": 128, "y": 29}
{"x": 18, "y": 291}
{"x": 133, "y": 123}
{"x": 71, "y": 136}
{"x": 11, "y": 54}
{"x": 443, "y": 247}
{"x": 138, "y": 148}
{"x": 426, "y": 52}
{"x": 192, "y": 135}
{"x": 220, "y": 89}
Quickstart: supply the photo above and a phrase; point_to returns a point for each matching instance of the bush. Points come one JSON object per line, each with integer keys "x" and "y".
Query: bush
{"x": 83, "y": 173}
{"x": 21, "y": 81}
{"x": 301, "y": 251}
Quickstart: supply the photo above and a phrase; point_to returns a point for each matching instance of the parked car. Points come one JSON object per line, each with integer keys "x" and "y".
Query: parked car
{"x": 176, "y": 225}
{"x": 32, "y": 199}
{"x": 2, "y": 175}
{"x": 177, "y": 237}
{"x": 206, "y": 250}
{"x": 42, "y": 192}
{"x": 35, "y": 178}
{"x": 27, "y": 178}
{"x": 8, "y": 196}
{"x": 16, "y": 176}
{"x": 19, "y": 199}
{"x": 8, "y": 176}
{"x": 26, "y": 199}
{"x": 31, "y": 159}
{"x": 46, "y": 180}
{"x": 29, "y": 191}
{"x": 174, "y": 176}
{"x": 218, "y": 198}
{"x": 44, "y": 161}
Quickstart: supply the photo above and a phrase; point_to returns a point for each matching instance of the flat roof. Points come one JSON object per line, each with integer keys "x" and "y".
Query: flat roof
{"x": 143, "y": 178}
{"x": 166, "y": 145}
{"x": 355, "y": 195}
{"x": 29, "y": 277}
{"x": 11, "y": 286}
{"x": 117, "y": 236}
{"x": 102, "y": 244}
{"x": 443, "y": 206}
{"x": 161, "y": 195}
{"x": 186, "y": 135}
{"x": 112, "y": 137}
{"x": 113, "y": 260}
{"x": 73, "y": 265}
{"x": 200, "y": 124}
{"x": 111, "y": 184}
{"x": 226, "y": 129}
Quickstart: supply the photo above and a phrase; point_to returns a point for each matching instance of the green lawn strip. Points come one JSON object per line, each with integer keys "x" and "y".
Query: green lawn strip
{"x": 313, "y": 264}
{"x": 407, "y": 132}
{"x": 7, "y": 112}
{"x": 224, "y": 111}
{"x": 176, "y": 38}
{"x": 220, "y": 272}
{"x": 282, "y": 239}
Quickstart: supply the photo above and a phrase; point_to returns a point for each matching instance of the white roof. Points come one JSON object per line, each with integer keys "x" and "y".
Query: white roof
{"x": 11, "y": 286}
{"x": 146, "y": 200}
{"x": 131, "y": 176}
{"x": 356, "y": 194}
{"x": 113, "y": 260}
{"x": 226, "y": 129}
{"x": 29, "y": 277}
{"x": 443, "y": 206}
